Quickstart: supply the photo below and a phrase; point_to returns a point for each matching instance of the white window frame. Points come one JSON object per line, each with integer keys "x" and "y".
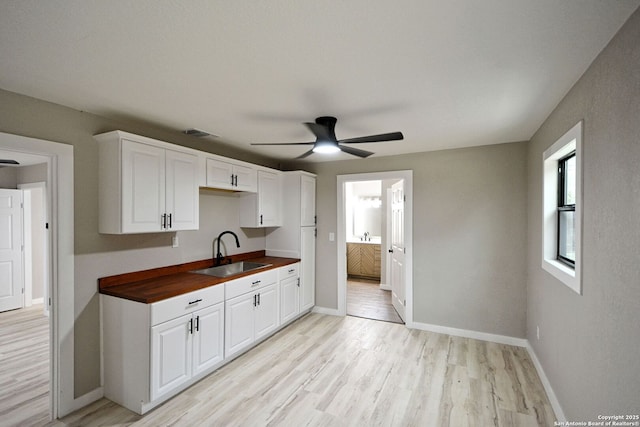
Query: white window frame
{"x": 570, "y": 141}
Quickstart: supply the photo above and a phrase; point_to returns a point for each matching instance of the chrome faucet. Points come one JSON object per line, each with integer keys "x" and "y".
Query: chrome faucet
{"x": 219, "y": 256}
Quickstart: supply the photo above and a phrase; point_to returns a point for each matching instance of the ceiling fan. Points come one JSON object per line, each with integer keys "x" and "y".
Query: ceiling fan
{"x": 8, "y": 162}
{"x": 326, "y": 141}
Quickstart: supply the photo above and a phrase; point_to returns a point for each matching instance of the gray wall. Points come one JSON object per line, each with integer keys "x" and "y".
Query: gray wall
{"x": 101, "y": 255}
{"x": 469, "y": 234}
{"x": 588, "y": 344}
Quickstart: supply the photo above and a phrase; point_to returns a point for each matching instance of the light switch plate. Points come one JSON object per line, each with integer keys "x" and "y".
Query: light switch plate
{"x": 332, "y": 237}
{"x": 174, "y": 242}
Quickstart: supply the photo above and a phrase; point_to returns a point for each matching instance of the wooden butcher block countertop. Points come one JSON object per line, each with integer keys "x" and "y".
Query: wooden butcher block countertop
{"x": 155, "y": 285}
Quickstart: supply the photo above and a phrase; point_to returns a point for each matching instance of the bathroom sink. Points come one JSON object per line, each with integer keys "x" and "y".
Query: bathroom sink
{"x": 227, "y": 270}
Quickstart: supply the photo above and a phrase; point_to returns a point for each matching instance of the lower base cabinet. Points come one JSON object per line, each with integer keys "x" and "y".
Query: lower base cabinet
{"x": 289, "y": 293}
{"x": 153, "y": 351}
{"x": 253, "y": 314}
{"x": 185, "y": 347}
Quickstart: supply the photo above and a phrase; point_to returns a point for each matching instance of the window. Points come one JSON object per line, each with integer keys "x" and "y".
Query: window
{"x": 566, "y": 250}
{"x": 562, "y": 209}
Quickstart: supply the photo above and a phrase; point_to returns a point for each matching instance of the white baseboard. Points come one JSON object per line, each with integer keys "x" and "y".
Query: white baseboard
{"x": 37, "y": 301}
{"x": 553, "y": 399}
{"x": 385, "y": 287}
{"x": 324, "y": 310}
{"x": 465, "y": 333}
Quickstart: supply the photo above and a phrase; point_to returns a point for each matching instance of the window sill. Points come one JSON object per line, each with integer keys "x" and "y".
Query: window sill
{"x": 564, "y": 273}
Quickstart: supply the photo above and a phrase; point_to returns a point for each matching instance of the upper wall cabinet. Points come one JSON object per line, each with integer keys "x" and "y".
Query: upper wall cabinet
{"x": 227, "y": 175}
{"x": 263, "y": 209}
{"x": 146, "y": 186}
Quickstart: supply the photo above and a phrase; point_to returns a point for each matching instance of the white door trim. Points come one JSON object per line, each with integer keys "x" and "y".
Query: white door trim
{"x": 61, "y": 277}
{"x": 407, "y": 175}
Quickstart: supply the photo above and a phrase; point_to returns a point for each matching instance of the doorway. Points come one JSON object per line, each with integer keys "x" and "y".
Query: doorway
{"x": 368, "y": 285}
{"x": 347, "y": 231}
{"x": 25, "y": 323}
{"x": 60, "y": 257}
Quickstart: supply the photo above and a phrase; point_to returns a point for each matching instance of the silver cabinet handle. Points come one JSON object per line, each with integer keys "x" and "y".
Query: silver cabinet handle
{"x": 195, "y": 301}
{"x": 256, "y": 283}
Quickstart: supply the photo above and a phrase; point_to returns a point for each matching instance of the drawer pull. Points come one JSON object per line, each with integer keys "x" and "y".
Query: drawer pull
{"x": 292, "y": 270}
{"x": 256, "y": 283}
{"x": 195, "y": 301}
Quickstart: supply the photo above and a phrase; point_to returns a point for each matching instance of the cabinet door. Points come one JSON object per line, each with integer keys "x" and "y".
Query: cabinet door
{"x": 268, "y": 199}
{"x": 238, "y": 325}
{"x": 219, "y": 174}
{"x": 367, "y": 260}
{"x": 208, "y": 337}
{"x": 245, "y": 178}
{"x": 182, "y": 196}
{"x": 143, "y": 187}
{"x": 307, "y": 201}
{"x": 289, "y": 298}
{"x": 171, "y": 356}
{"x": 307, "y": 268}
{"x": 267, "y": 313}
{"x": 353, "y": 259}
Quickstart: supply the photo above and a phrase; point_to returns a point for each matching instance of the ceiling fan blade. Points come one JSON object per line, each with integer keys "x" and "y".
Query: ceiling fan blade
{"x": 8, "y": 162}
{"x": 355, "y": 151}
{"x": 282, "y": 143}
{"x": 321, "y": 132}
{"x": 307, "y": 154}
{"x": 393, "y": 136}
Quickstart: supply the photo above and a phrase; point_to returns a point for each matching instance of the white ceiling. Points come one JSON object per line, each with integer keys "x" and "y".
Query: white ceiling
{"x": 448, "y": 73}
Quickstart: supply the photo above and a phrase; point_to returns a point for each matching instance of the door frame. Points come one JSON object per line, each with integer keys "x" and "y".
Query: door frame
{"x": 407, "y": 176}
{"x": 60, "y": 212}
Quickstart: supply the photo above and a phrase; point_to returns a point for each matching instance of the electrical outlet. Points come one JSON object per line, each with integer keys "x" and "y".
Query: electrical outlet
{"x": 332, "y": 237}
{"x": 174, "y": 242}
{"x": 538, "y": 332}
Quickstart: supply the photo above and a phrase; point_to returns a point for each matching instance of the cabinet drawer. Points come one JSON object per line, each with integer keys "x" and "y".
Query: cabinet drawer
{"x": 292, "y": 270}
{"x": 184, "y": 304}
{"x": 246, "y": 284}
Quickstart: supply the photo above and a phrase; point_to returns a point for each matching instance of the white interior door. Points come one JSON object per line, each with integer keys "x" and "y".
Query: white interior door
{"x": 398, "y": 248}
{"x": 11, "y": 270}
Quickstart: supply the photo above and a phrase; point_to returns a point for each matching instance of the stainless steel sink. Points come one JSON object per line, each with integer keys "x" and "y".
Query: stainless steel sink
{"x": 227, "y": 270}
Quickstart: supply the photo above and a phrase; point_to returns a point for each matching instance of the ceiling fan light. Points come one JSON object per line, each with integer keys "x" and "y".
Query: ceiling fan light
{"x": 325, "y": 148}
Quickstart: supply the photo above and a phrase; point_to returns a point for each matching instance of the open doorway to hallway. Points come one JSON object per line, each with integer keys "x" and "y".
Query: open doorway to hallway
{"x": 25, "y": 338}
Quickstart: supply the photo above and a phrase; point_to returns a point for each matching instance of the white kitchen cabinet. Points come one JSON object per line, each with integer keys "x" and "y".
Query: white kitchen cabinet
{"x": 184, "y": 347}
{"x": 227, "y": 175}
{"x": 267, "y": 314}
{"x": 251, "y": 310}
{"x": 145, "y": 185}
{"x": 153, "y": 351}
{"x": 239, "y": 319}
{"x": 307, "y": 268}
{"x": 171, "y": 355}
{"x": 289, "y": 293}
{"x": 208, "y": 338}
{"x": 294, "y": 239}
{"x": 264, "y": 208}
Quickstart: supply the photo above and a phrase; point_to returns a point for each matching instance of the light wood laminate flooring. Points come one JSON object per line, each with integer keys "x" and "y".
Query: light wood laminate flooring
{"x": 366, "y": 299}
{"x": 24, "y": 367}
{"x": 347, "y": 371}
